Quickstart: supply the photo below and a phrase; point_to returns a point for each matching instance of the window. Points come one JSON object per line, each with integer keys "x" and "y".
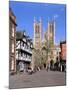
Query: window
{"x": 38, "y": 29}
{"x": 24, "y": 45}
{"x": 31, "y": 45}
{"x": 51, "y": 28}
{"x": 24, "y": 39}
{"x": 21, "y": 44}
{"x": 12, "y": 64}
{"x": 57, "y": 53}
{"x": 12, "y": 31}
{"x": 16, "y": 54}
{"x": 19, "y": 54}
{"x": 26, "y": 55}
{"x": 12, "y": 47}
{"x": 23, "y": 55}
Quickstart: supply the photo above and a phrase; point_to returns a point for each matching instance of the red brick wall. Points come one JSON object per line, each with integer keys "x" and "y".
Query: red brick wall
{"x": 63, "y": 51}
{"x": 12, "y": 21}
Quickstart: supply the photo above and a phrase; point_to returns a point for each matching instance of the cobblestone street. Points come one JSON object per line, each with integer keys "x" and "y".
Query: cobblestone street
{"x": 39, "y": 79}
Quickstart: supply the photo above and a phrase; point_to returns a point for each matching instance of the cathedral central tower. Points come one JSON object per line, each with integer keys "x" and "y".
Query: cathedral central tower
{"x": 37, "y": 34}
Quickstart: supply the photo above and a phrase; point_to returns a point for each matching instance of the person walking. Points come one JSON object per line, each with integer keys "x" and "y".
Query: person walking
{"x": 47, "y": 68}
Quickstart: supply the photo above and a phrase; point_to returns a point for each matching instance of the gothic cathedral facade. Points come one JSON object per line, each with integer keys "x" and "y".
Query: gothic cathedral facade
{"x": 37, "y": 34}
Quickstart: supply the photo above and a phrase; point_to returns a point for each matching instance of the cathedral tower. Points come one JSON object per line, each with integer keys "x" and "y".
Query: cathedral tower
{"x": 37, "y": 34}
{"x": 51, "y": 33}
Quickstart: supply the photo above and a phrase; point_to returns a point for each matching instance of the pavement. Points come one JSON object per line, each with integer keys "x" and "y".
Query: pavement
{"x": 39, "y": 79}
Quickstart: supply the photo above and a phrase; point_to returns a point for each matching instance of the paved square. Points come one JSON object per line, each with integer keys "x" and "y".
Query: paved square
{"x": 39, "y": 79}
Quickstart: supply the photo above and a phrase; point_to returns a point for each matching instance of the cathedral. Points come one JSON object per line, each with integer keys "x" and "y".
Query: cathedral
{"x": 43, "y": 46}
{"x": 48, "y": 35}
{"x": 37, "y": 34}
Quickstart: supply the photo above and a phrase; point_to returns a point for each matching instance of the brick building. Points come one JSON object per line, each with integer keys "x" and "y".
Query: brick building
{"x": 63, "y": 50}
{"x": 56, "y": 52}
{"x": 12, "y": 42}
{"x": 63, "y": 55}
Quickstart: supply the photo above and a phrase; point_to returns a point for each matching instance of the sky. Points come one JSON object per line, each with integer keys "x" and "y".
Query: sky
{"x": 26, "y": 11}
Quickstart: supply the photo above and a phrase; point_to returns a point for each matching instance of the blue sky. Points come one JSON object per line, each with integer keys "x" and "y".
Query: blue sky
{"x": 26, "y": 11}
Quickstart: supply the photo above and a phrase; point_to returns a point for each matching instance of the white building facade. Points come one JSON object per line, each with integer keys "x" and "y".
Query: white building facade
{"x": 23, "y": 52}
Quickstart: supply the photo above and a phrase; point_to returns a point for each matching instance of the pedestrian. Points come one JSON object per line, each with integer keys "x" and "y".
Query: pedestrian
{"x": 47, "y": 67}
{"x": 38, "y": 69}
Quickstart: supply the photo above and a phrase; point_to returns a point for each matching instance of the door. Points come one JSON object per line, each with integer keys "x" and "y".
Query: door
{"x": 21, "y": 66}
